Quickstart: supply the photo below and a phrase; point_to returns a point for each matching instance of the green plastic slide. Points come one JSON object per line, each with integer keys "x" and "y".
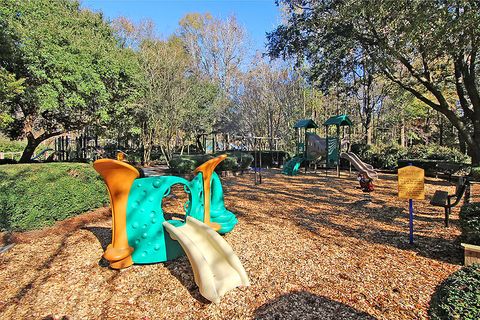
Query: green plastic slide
{"x": 292, "y": 166}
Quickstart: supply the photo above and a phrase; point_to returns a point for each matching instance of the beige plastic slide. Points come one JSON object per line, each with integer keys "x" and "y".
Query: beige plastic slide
{"x": 216, "y": 267}
{"x": 360, "y": 165}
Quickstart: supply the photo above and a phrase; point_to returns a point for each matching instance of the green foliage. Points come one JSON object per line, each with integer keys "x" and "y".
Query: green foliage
{"x": 229, "y": 164}
{"x": 244, "y": 160}
{"x": 470, "y": 223}
{"x": 458, "y": 297}
{"x": 475, "y": 173}
{"x": 10, "y": 87}
{"x": 415, "y": 44}
{"x": 33, "y": 196}
{"x": 183, "y": 165}
{"x": 7, "y": 145}
{"x": 173, "y": 101}
{"x": 74, "y": 71}
{"x": 235, "y": 161}
{"x": 436, "y": 152}
{"x": 384, "y": 156}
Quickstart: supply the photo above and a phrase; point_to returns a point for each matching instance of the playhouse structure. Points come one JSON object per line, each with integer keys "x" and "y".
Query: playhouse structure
{"x": 310, "y": 147}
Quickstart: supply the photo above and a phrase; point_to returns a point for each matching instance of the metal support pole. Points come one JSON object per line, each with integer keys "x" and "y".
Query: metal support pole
{"x": 410, "y": 209}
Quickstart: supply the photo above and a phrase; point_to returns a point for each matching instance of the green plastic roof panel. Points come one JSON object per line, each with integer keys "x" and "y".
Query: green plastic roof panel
{"x": 341, "y": 120}
{"x": 305, "y": 123}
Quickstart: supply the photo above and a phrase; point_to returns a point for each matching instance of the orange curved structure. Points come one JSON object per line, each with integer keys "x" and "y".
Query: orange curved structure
{"x": 207, "y": 169}
{"x": 119, "y": 177}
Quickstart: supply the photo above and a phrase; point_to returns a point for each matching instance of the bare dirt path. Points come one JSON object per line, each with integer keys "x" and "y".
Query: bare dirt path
{"x": 312, "y": 248}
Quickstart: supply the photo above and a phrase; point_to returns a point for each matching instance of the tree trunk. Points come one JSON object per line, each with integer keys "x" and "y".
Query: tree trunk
{"x": 440, "y": 125}
{"x": 27, "y": 154}
{"x": 403, "y": 140}
{"x": 461, "y": 144}
{"x": 369, "y": 135}
{"x": 32, "y": 144}
{"x": 475, "y": 150}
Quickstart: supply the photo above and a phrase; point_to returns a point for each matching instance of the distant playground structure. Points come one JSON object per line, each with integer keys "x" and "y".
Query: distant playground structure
{"x": 311, "y": 148}
{"x": 141, "y": 233}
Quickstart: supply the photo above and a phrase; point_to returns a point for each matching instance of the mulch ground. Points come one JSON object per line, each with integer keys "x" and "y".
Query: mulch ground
{"x": 311, "y": 247}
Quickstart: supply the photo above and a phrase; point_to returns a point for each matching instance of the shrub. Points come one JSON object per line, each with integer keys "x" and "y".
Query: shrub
{"x": 384, "y": 156}
{"x": 228, "y": 164}
{"x": 7, "y": 145}
{"x": 360, "y": 149}
{"x": 470, "y": 223}
{"x": 243, "y": 159}
{"x": 36, "y": 195}
{"x": 436, "y": 152}
{"x": 235, "y": 161}
{"x": 475, "y": 173}
{"x": 458, "y": 297}
{"x": 183, "y": 165}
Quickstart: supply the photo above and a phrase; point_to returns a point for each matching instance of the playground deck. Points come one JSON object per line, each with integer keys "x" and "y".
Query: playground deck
{"x": 308, "y": 242}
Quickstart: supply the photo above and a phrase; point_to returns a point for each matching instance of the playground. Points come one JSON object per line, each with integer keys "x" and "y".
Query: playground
{"x": 239, "y": 159}
{"x": 311, "y": 246}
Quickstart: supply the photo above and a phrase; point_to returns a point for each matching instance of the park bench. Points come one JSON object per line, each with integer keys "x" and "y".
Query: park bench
{"x": 448, "y": 201}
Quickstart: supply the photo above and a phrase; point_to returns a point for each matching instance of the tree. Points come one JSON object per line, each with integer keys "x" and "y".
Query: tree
{"x": 174, "y": 103}
{"x": 270, "y": 101}
{"x": 427, "y": 48}
{"x": 217, "y": 47}
{"x": 74, "y": 71}
{"x": 10, "y": 87}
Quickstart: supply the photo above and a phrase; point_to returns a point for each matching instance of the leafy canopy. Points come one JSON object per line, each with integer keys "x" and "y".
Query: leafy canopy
{"x": 72, "y": 68}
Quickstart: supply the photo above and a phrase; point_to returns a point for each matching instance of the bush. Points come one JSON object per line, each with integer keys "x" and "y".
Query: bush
{"x": 475, "y": 173}
{"x": 470, "y": 223}
{"x": 360, "y": 149}
{"x": 436, "y": 152}
{"x": 228, "y": 164}
{"x": 235, "y": 161}
{"x": 384, "y": 156}
{"x": 458, "y": 297}
{"x": 7, "y": 145}
{"x": 243, "y": 159}
{"x": 33, "y": 196}
{"x": 183, "y": 165}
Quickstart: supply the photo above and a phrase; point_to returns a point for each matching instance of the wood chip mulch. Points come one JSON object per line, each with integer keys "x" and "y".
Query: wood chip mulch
{"x": 313, "y": 249}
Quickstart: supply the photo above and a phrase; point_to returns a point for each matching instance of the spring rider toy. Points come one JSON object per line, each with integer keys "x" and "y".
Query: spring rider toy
{"x": 141, "y": 234}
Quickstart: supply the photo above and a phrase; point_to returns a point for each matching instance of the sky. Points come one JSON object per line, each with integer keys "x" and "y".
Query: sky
{"x": 257, "y": 16}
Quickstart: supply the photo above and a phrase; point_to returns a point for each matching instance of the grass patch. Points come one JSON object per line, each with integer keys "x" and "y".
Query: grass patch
{"x": 34, "y": 196}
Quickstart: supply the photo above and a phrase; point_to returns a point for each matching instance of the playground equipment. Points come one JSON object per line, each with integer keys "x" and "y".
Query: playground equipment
{"x": 141, "y": 234}
{"x": 310, "y": 147}
{"x": 362, "y": 167}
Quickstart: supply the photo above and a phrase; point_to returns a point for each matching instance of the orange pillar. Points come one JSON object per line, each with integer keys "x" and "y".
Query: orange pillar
{"x": 207, "y": 169}
{"x": 118, "y": 177}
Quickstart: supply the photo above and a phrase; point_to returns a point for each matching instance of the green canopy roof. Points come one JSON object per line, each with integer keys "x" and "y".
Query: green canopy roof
{"x": 341, "y": 120}
{"x": 305, "y": 123}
